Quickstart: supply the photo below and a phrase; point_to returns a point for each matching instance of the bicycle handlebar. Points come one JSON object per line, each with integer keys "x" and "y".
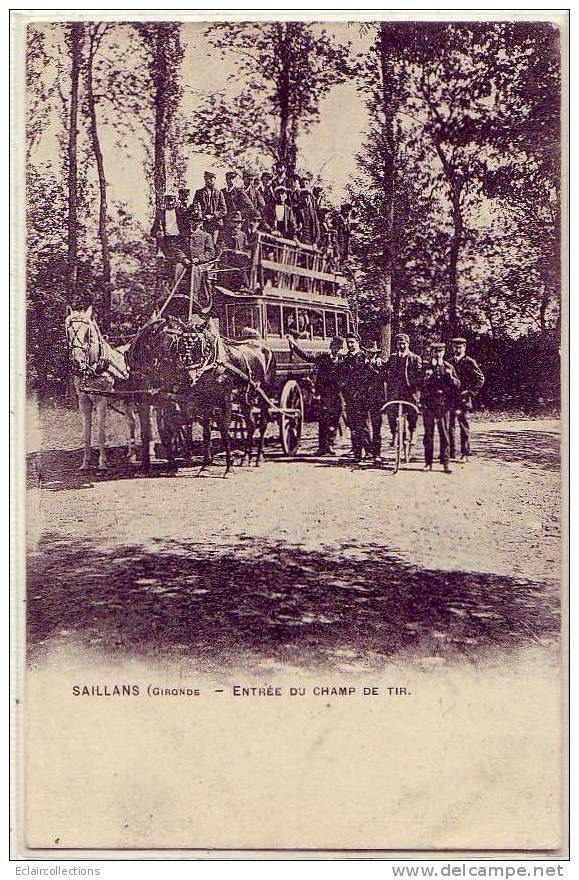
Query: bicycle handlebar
{"x": 398, "y": 403}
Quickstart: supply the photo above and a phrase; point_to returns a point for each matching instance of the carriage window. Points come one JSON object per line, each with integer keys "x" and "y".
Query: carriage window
{"x": 330, "y": 322}
{"x": 342, "y": 324}
{"x": 243, "y": 318}
{"x": 290, "y": 320}
{"x": 273, "y": 320}
{"x": 317, "y": 324}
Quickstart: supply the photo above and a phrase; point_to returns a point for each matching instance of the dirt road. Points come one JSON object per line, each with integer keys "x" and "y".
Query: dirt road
{"x": 308, "y": 562}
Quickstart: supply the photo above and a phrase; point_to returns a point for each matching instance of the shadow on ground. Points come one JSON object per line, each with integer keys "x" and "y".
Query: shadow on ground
{"x": 259, "y": 602}
{"x": 529, "y": 448}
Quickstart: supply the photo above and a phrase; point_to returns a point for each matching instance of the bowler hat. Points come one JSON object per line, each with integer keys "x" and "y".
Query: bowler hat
{"x": 237, "y": 218}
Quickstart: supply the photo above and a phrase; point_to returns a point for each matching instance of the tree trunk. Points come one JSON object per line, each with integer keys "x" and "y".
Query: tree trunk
{"x": 283, "y": 95}
{"x": 75, "y": 46}
{"x": 455, "y": 246}
{"x": 388, "y": 108}
{"x": 160, "y": 81}
{"x": 103, "y": 234}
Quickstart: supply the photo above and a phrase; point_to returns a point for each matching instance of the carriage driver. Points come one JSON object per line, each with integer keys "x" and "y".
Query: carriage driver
{"x": 328, "y": 389}
{"x": 439, "y": 386}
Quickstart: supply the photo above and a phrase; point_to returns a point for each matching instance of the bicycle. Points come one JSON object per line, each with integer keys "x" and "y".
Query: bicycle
{"x": 402, "y": 442}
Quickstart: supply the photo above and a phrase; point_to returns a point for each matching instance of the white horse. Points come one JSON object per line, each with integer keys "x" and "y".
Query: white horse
{"x": 98, "y": 364}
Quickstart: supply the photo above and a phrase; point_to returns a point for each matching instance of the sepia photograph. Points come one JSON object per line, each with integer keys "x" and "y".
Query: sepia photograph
{"x": 294, "y": 314}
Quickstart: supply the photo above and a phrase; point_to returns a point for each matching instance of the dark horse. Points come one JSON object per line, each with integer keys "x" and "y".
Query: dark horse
{"x": 194, "y": 374}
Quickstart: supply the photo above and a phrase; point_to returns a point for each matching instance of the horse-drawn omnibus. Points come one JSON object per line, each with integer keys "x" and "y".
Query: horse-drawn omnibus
{"x": 284, "y": 288}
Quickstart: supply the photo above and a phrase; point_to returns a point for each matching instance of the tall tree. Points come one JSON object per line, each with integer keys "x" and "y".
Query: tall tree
{"x": 286, "y": 69}
{"x": 162, "y": 41}
{"x": 75, "y": 42}
{"x": 95, "y": 35}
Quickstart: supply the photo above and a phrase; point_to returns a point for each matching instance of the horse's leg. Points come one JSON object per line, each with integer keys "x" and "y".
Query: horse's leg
{"x": 166, "y": 425}
{"x": 101, "y": 409}
{"x": 207, "y": 454}
{"x": 130, "y": 422}
{"x": 224, "y": 425}
{"x": 145, "y": 423}
{"x": 247, "y": 411}
{"x": 263, "y": 423}
{"x": 85, "y": 407}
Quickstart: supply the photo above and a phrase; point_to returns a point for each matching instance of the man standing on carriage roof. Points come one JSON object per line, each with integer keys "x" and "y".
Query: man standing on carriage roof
{"x": 439, "y": 386}
{"x": 236, "y": 199}
{"x": 212, "y": 204}
{"x": 471, "y": 381}
{"x": 402, "y": 373}
{"x": 327, "y": 388}
{"x": 267, "y": 193}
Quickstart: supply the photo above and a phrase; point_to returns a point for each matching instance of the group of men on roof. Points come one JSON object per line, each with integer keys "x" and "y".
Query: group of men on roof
{"x": 443, "y": 389}
{"x": 227, "y": 218}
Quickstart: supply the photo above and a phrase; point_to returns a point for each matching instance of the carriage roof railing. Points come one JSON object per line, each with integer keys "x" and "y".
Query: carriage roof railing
{"x": 291, "y": 260}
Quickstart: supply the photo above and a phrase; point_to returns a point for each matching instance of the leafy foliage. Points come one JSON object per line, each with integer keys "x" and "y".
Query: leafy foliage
{"x": 286, "y": 69}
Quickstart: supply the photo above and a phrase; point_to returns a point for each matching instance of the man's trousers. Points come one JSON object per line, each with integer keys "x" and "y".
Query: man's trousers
{"x": 329, "y": 417}
{"x": 358, "y": 420}
{"x": 411, "y": 418}
{"x": 440, "y": 417}
{"x": 461, "y": 417}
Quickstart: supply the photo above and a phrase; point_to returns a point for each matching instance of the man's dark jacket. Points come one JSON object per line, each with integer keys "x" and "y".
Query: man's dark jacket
{"x": 471, "y": 381}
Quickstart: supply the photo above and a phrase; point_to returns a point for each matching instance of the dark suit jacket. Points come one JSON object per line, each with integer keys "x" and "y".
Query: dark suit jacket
{"x": 471, "y": 381}
{"x": 236, "y": 199}
{"x": 211, "y": 202}
{"x": 439, "y": 386}
{"x": 403, "y": 376}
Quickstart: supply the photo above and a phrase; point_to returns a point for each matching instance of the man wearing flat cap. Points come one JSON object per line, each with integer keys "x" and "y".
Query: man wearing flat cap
{"x": 402, "y": 373}
{"x": 211, "y": 203}
{"x": 438, "y": 388}
{"x": 342, "y": 225}
{"x": 237, "y": 200}
{"x": 355, "y": 375}
{"x": 471, "y": 381}
{"x": 327, "y": 388}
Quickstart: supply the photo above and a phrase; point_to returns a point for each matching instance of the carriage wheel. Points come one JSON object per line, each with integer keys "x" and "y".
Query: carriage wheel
{"x": 290, "y": 425}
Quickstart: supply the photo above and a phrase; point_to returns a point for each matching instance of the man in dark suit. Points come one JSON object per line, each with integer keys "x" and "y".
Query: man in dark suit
{"x": 237, "y": 200}
{"x": 438, "y": 388}
{"x": 354, "y": 377}
{"x": 253, "y": 192}
{"x": 307, "y": 215}
{"x": 342, "y": 224}
{"x": 211, "y": 203}
{"x": 327, "y": 388}
{"x": 471, "y": 381}
{"x": 268, "y": 195}
{"x": 403, "y": 374}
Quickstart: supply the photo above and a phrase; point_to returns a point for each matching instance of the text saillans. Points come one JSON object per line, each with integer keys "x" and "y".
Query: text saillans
{"x": 151, "y": 690}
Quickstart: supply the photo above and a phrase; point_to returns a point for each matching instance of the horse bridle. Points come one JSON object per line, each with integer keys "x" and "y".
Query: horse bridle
{"x": 76, "y": 343}
{"x": 186, "y": 346}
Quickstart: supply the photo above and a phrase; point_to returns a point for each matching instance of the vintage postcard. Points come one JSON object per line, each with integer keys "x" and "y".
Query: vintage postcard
{"x": 289, "y": 336}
